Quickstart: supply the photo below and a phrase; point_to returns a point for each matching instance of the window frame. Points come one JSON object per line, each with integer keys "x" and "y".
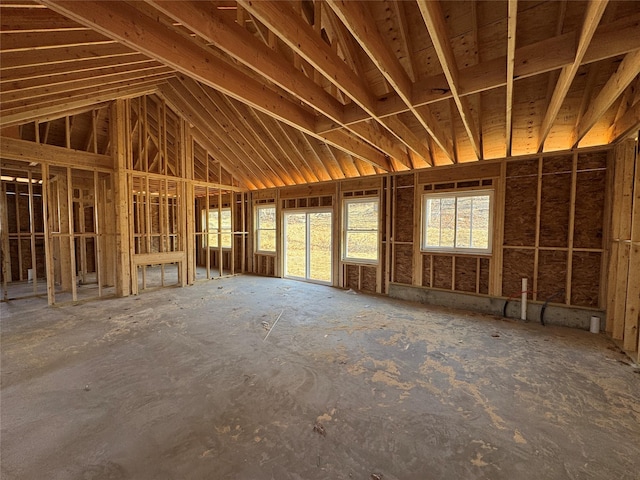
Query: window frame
{"x": 457, "y": 194}
{"x": 258, "y": 229}
{"x": 219, "y": 234}
{"x": 346, "y": 230}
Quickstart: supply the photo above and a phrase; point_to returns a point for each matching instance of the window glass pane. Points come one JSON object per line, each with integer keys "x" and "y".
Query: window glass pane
{"x": 361, "y": 230}
{"x": 463, "y": 222}
{"x": 480, "y": 217}
{"x": 362, "y": 245}
{"x": 440, "y": 218}
{"x": 320, "y": 246}
{"x": 266, "y": 218}
{"x": 213, "y": 228}
{"x": 362, "y": 215}
{"x": 459, "y": 221}
{"x": 296, "y": 225}
{"x": 267, "y": 240}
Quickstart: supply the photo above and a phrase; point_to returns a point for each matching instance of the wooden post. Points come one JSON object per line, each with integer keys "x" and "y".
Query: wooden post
{"x": 188, "y": 203}
{"x": 48, "y": 244}
{"x": 496, "y": 261}
{"x": 71, "y": 265}
{"x": 536, "y": 253}
{"x": 32, "y": 235}
{"x": 572, "y": 215}
{"x": 122, "y": 201}
{"x": 632, "y": 311}
{"x": 387, "y": 228}
{"x": 97, "y": 232}
{"x": 4, "y": 244}
{"x": 626, "y": 164}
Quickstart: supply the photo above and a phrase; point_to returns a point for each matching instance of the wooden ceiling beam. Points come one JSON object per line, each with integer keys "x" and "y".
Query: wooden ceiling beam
{"x": 304, "y": 41}
{"x": 204, "y": 19}
{"x": 531, "y": 60}
{"x": 234, "y": 137}
{"x": 204, "y": 121}
{"x": 315, "y": 164}
{"x": 30, "y": 92}
{"x": 21, "y": 41}
{"x": 593, "y": 14}
{"x": 249, "y": 134}
{"x": 87, "y": 65}
{"x": 288, "y": 157}
{"x": 259, "y": 136}
{"x": 40, "y": 19}
{"x": 82, "y": 88}
{"x": 434, "y": 19}
{"x": 628, "y": 124}
{"x": 68, "y": 55}
{"x": 332, "y": 166}
{"x": 193, "y": 114}
{"x": 129, "y": 26}
{"x": 358, "y": 20}
{"x": 627, "y": 71}
{"x": 16, "y": 149}
{"x": 511, "y": 58}
{"x": 74, "y": 101}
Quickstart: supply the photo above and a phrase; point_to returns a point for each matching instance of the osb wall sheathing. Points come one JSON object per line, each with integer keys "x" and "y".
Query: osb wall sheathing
{"x": 368, "y": 281}
{"x": 465, "y": 274}
{"x": 442, "y": 271}
{"x": 554, "y": 205}
{"x": 403, "y": 264}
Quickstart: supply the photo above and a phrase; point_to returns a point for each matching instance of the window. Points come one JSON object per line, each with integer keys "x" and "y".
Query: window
{"x": 361, "y": 230}
{"x": 266, "y": 229}
{"x": 459, "y": 221}
{"x": 225, "y": 227}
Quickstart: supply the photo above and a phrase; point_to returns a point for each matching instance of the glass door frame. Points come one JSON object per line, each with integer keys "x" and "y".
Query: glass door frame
{"x": 307, "y": 240}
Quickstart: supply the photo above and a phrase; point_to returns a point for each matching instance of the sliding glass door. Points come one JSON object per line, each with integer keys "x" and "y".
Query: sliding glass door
{"x": 308, "y": 245}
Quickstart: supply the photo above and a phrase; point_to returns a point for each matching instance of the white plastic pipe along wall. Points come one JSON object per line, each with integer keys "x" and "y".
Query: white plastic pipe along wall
{"x": 523, "y": 306}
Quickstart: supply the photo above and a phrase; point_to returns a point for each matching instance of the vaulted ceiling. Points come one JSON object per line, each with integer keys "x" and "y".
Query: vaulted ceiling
{"x": 304, "y": 91}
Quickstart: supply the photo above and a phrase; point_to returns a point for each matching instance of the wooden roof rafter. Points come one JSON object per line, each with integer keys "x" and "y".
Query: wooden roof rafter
{"x": 434, "y": 19}
{"x": 593, "y": 14}
{"x": 357, "y": 19}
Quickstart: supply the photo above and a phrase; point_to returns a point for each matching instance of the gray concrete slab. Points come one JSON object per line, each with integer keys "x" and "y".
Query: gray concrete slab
{"x": 179, "y": 384}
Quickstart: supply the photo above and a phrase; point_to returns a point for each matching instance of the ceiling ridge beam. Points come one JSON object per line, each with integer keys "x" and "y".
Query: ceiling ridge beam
{"x": 593, "y": 14}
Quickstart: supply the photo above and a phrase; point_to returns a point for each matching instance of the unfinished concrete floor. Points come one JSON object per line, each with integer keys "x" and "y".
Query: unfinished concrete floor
{"x": 179, "y": 384}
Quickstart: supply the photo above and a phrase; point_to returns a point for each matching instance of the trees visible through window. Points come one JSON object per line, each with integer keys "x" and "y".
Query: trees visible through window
{"x": 213, "y": 225}
{"x": 361, "y": 229}
{"x": 459, "y": 221}
{"x": 266, "y": 229}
